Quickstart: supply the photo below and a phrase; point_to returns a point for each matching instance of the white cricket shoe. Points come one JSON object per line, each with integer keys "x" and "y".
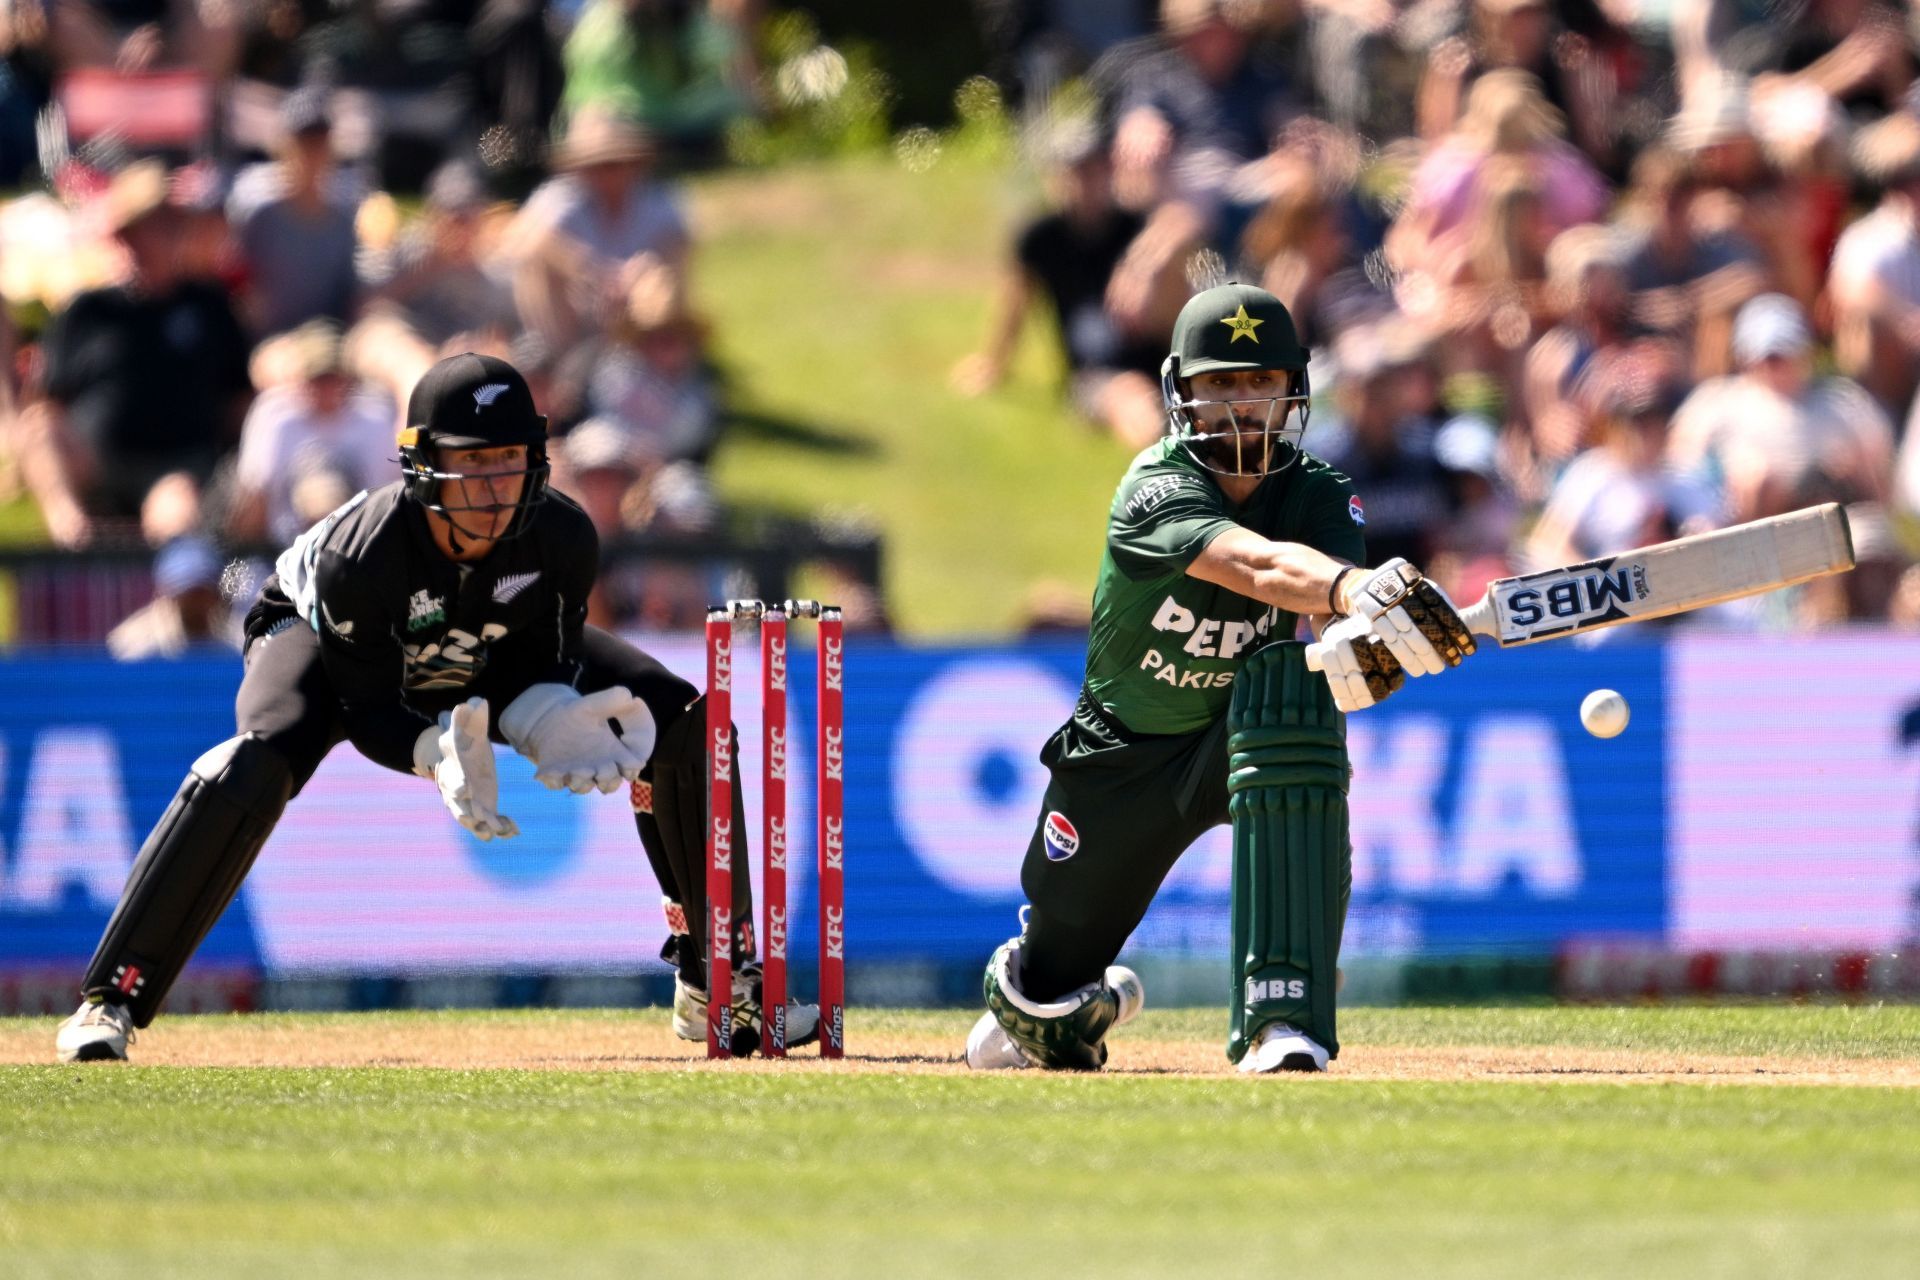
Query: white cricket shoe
{"x": 1283, "y": 1047}
{"x": 690, "y": 1012}
{"x": 990, "y": 1048}
{"x": 97, "y": 1032}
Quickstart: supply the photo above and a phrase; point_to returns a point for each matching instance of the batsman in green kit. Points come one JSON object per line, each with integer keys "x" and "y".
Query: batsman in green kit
{"x": 1199, "y": 708}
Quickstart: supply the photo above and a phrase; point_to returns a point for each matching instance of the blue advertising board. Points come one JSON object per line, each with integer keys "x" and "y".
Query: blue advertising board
{"x": 1484, "y": 818}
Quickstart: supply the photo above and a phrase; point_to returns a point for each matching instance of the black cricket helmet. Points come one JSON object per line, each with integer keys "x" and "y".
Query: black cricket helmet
{"x": 1233, "y": 327}
{"x": 472, "y": 401}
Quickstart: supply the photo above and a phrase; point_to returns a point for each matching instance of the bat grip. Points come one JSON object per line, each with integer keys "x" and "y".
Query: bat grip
{"x": 1478, "y": 616}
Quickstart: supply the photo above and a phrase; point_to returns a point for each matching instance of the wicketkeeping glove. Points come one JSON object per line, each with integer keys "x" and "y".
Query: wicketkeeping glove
{"x": 1413, "y": 618}
{"x": 458, "y": 757}
{"x": 600, "y": 740}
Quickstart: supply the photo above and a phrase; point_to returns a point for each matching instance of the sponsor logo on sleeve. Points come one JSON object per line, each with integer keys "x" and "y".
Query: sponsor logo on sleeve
{"x": 1152, "y": 494}
{"x": 1060, "y": 837}
{"x": 1356, "y": 512}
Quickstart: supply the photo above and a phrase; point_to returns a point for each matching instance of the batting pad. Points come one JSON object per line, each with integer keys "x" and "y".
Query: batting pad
{"x": 1292, "y": 864}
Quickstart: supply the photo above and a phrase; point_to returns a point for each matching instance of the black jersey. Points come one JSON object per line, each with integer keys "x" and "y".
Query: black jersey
{"x": 405, "y": 632}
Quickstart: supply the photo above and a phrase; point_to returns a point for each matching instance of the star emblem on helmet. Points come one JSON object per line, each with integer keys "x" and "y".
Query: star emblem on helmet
{"x": 1243, "y": 326}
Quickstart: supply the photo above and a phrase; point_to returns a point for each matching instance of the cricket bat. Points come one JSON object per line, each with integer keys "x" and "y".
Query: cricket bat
{"x": 1672, "y": 577}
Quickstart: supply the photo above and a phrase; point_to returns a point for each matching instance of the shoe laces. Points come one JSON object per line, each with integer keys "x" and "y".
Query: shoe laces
{"x": 108, "y": 1014}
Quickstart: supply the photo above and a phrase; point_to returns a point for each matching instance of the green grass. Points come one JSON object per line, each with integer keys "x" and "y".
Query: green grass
{"x": 840, "y": 295}
{"x": 156, "y": 1172}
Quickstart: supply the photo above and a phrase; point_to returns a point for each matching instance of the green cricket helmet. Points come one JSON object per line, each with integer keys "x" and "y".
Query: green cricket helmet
{"x": 1237, "y": 327}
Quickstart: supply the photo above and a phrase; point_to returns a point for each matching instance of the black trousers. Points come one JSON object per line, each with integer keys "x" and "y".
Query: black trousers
{"x": 1119, "y": 811}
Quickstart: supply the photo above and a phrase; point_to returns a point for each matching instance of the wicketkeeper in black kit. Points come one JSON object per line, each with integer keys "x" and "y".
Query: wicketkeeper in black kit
{"x": 401, "y": 622}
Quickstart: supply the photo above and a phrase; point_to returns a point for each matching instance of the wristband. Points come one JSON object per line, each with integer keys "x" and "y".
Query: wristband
{"x": 1333, "y": 592}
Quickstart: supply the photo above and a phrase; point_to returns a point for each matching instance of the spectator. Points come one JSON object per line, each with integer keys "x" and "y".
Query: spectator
{"x": 1475, "y": 545}
{"x": 1383, "y": 440}
{"x": 297, "y": 239}
{"x": 1803, "y": 135}
{"x": 1509, "y": 122}
{"x": 649, "y": 374}
{"x": 1687, "y": 280}
{"x": 1367, "y": 64}
{"x": 682, "y": 70}
{"x": 187, "y": 611}
{"x": 1192, "y": 103}
{"x": 139, "y": 35}
{"x": 1491, "y": 300}
{"x": 310, "y": 444}
{"x": 143, "y": 378}
{"x": 1874, "y": 286}
{"x": 444, "y": 280}
{"x": 1742, "y": 193}
{"x": 1298, "y": 248}
{"x": 1068, "y": 256}
{"x": 1587, "y": 291}
{"x": 1772, "y": 437}
{"x": 1522, "y": 35}
{"x": 1622, "y": 493}
{"x": 1855, "y": 51}
{"x": 26, "y": 87}
{"x": 517, "y": 80}
{"x": 578, "y": 243}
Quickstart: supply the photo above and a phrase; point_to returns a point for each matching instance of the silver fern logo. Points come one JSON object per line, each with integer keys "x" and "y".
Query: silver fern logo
{"x": 512, "y": 585}
{"x": 484, "y": 396}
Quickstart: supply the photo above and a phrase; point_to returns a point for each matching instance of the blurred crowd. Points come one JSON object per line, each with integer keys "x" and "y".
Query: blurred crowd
{"x": 1578, "y": 276}
{"x": 247, "y": 226}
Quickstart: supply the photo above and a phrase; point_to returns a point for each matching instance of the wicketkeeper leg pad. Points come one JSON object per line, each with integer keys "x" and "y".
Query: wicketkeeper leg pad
{"x": 1292, "y": 864}
{"x": 1065, "y": 1034}
{"x": 679, "y": 799}
{"x": 188, "y": 871}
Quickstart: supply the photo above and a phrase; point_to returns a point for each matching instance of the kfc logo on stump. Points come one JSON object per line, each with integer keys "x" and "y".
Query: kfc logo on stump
{"x": 776, "y": 932}
{"x": 835, "y": 674}
{"x": 1061, "y": 839}
{"x": 836, "y": 754}
{"x": 836, "y": 934}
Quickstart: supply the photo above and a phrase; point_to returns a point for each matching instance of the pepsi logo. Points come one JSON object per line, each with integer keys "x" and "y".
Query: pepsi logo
{"x": 1061, "y": 839}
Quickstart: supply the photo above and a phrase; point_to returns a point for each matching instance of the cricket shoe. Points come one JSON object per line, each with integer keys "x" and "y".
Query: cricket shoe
{"x": 990, "y": 1048}
{"x": 1283, "y": 1047}
{"x": 97, "y": 1032}
{"x": 690, "y": 1013}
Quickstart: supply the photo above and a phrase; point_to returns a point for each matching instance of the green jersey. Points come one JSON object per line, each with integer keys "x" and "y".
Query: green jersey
{"x": 1164, "y": 647}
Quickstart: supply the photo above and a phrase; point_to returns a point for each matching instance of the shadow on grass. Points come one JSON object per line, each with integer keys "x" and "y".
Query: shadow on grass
{"x": 750, "y": 424}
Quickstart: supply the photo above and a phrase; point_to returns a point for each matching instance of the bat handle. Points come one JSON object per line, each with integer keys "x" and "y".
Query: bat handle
{"x": 1479, "y": 616}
